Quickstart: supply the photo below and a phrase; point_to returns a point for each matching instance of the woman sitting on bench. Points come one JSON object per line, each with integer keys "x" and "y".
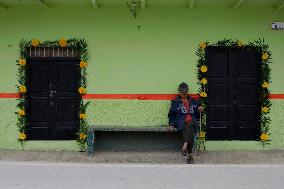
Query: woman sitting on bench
{"x": 183, "y": 116}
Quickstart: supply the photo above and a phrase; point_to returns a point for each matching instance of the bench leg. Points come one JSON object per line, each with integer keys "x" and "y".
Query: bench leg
{"x": 91, "y": 143}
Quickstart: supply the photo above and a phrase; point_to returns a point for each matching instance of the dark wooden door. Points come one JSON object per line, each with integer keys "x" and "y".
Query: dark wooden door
{"x": 54, "y": 102}
{"x": 233, "y": 111}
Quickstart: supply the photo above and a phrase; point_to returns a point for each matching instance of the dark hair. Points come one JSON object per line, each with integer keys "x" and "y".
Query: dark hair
{"x": 183, "y": 87}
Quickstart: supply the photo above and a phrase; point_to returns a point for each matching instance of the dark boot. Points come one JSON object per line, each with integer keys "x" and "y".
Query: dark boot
{"x": 189, "y": 159}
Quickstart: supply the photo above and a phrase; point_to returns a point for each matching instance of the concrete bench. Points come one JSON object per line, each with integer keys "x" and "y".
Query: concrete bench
{"x": 126, "y": 138}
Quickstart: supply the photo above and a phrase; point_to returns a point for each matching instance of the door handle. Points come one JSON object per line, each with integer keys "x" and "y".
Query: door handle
{"x": 52, "y": 93}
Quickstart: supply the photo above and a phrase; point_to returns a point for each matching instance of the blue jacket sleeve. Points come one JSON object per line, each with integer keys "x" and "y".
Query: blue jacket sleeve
{"x": 172, "y": 114}
{"x": 197, "y": 105}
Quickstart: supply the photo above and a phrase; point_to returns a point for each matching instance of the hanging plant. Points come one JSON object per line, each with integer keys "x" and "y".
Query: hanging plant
{"x": 263, "y": 85}
{"x": 81, "y": 46}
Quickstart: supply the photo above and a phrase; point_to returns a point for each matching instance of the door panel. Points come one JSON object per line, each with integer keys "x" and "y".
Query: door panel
{"x": 246, "y": 110}
{"x": 39, "y": 77}
{"x": 66, "y": 77}
{"x": 54, "y": 100}
{"x": 232, "y": 93}
{"x": 38, "y": 108}
{"x": 40, "y": 105}
{"x": 219, "y": 64}
{"x": 67, "y": 109}
{"x": 219, "y": 94}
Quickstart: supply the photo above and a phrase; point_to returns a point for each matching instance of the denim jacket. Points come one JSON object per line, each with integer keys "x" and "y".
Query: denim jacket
{"x": 178, "y": 112}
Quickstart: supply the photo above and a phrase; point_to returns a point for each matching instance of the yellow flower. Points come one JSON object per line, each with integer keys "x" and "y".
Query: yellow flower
{"x": 203, "y": 94}
{"x": 202, "y": 45}
{"x": 203, "y": 81}
{"x": 22, "y": 62}
{"x": 202, "y": 134}
{"x": 62, "y": 42}
{"x": 22, "y": 89}
{"x": 265, "y": 56}
{"x": 203, "y": 69}
{"x": 265, "y": 109}
{"x": 83, "y": 136}
{"x": 82, "y": 90}
{"x": 83, "y": 116}
{"x": 83, "y": 64}
{"x": 22, "y": 112}
{"x": 265, "y": 84}
{"x": 22, "y": 136}
{"x": 240, "y": 44}
{"x": 35, "y": 42}
{"x": 264, "y": 137}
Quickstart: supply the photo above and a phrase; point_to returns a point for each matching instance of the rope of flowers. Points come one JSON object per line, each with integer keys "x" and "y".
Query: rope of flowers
{"x": 263, "y": 91}
{"x": 22, "y": 122}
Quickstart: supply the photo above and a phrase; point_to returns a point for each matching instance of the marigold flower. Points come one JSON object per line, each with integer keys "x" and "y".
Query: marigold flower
{"x": 203, "y": 81}
{"x": 22, "y": 62}
{"x": 62, "y": 42}
{"x": 35, "y": 42}
{"x": 203, "y": 69}
{"x": 83, "y": 116}
{"x": 265, "y": 109}
{"x": 265, "y": 56}
{"x": 22, "y": 112}
{"x": 240, "y": 44}
{"x": 82, "y": 90}
{"x": 264, "y": 137}
{"x": 83, "y": 64}
{"x": 22, "y": 136}
{"x": 203, "y": 94}
{"x": 202, "y": 134}
{"x": 265, "y": 84}
{"x": 82, "y": 136}
{"x": 202, "y": 45}
{"x": 22, "y": 89}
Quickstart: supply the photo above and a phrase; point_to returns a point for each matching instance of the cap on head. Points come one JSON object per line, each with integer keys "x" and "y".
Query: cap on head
{"x": 183, "y": 88}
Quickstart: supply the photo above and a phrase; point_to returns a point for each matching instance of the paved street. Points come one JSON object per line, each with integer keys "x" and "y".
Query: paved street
{"x": 48, "y": 175}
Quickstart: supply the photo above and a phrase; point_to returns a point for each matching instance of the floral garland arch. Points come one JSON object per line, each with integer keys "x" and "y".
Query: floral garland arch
{"x": 81, "y": 46}
{"x": 263, "y": 92}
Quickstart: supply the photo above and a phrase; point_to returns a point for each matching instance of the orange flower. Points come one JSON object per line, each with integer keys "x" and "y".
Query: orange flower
{"x": 35, "y": 42}
{"x": 22, "y": 62}
{"x": 202, "y": 134}
{"x": 83, "y": 116}
{"x": 264, "y": 137}
{"x": 22, "y": 89}
{"x": 202, "y": 45}
{"x": 22, "y": 112}
{"x": 265, "y": 56}
{"x": 22, "y": 136}
{"x": 82, "y": 136}
{"x": 62, "y": 42}
{"x": 240, "y": 44}
{"x": 265, "y": 84}
{"x": 83, "y": 64}
{"x": 203, "y": 81}
{"x": 265, "y": 109}
{"x": 82, "y": 90}
{"x": 203, "y": 69}
{"x": 203, "y": 94}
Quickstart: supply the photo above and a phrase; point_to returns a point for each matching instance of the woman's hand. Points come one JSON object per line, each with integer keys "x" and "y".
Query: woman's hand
{"x": 170, "y": 128}
{"x": 200, "y": 108}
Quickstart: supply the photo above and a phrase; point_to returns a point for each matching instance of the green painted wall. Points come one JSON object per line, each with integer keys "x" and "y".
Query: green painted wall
{"x": 127, "y": 60}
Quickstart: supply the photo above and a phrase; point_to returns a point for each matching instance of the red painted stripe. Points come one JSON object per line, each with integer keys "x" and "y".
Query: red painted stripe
{"x": 132, "y": 96}
{"x": 9, "y": 95}
{"x": 276, "y": 96}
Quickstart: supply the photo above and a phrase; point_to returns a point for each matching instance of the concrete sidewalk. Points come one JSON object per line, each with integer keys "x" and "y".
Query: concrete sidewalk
{"x": 205, "y": 157}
